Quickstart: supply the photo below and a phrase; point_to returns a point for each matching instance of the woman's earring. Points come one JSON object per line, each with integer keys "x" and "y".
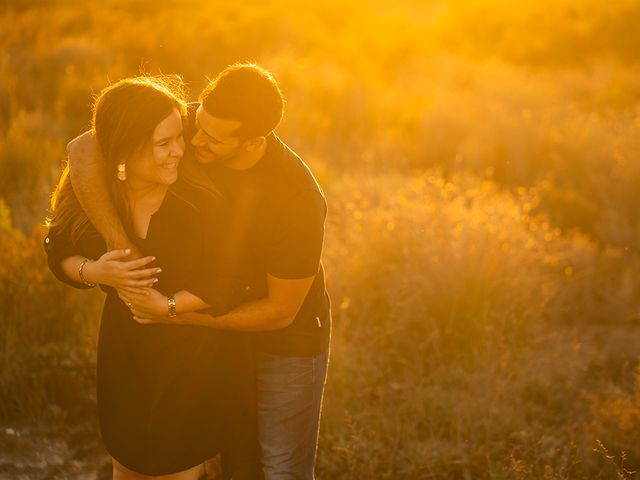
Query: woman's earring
{"x": 122, "y": 172}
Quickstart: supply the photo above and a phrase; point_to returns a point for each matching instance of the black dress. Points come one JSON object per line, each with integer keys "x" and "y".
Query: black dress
{"x": 170, "y": 396}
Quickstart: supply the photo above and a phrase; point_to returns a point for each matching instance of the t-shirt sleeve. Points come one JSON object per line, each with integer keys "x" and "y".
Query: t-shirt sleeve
{"x": 298, "y": 235}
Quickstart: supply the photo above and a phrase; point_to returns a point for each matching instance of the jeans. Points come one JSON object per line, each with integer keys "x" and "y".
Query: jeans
{"x": 289, "y": 402}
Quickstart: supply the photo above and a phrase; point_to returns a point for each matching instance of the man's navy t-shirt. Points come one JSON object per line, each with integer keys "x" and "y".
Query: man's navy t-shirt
{"x": 276, "y": 226}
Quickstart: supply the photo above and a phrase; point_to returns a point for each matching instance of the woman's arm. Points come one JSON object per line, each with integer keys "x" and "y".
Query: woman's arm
{"x": 111, "y": 270}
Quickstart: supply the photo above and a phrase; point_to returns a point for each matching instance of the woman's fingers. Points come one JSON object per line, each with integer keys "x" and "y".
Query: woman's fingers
{"x": 138, "y": 263}
{"x": 133, "y": 291}
{"x": 143, "y": 274}
{"x": 117, "y": 254}
{"x": 147, "y": 282}
{"x": 124, "y": 296}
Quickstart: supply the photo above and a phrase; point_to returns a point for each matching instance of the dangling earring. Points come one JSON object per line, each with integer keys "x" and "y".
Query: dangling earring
{"x": 122, "y": 172}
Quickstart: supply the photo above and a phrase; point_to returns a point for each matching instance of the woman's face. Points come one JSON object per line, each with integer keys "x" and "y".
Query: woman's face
{"x": 158, "y": 162}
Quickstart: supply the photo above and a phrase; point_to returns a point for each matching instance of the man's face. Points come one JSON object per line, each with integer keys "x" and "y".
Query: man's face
{"x": 215, "y": 139}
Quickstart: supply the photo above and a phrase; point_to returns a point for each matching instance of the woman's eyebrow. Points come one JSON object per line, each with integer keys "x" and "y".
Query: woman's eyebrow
{"x": 168, "y": 137}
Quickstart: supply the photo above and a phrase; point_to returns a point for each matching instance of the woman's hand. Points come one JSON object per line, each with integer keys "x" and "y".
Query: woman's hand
{"x": 149, "y": 304}
{"x": 127, "y": 276}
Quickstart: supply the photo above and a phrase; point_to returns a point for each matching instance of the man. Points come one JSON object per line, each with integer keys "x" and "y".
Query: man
{"x": 275, "y": 234}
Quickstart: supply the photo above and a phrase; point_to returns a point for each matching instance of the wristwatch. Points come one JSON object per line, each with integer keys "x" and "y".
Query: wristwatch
{"x": 171, "y": 304}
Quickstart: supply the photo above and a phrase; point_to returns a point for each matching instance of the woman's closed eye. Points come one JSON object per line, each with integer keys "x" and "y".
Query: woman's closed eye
{"x": 165, "y": 142}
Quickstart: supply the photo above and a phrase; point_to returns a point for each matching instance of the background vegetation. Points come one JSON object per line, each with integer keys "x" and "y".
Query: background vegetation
{"x": 480, "y": 158}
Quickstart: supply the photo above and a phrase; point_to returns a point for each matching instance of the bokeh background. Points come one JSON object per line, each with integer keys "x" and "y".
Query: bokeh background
{"x": 481, "y": 160}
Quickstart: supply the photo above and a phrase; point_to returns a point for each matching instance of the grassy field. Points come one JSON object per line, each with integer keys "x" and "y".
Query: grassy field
{"x": 480, "y": 160}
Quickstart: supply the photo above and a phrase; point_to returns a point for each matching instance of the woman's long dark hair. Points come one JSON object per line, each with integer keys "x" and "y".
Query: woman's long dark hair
{"x": 125, "y": 116}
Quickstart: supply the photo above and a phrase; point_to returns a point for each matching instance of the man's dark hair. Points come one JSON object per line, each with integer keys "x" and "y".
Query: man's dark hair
{"x": 247, "y": 93}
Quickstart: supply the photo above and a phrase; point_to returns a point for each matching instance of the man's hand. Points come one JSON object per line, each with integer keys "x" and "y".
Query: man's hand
{"x": 149, "y": 303}
{"x": 153, "y": 307}
{"x": 146, "y": 319}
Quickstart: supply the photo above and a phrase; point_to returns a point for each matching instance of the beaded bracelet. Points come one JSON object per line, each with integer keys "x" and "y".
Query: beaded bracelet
{"x": 81, "y": 273}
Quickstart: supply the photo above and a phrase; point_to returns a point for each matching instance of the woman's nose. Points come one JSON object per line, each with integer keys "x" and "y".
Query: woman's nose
{"x": 178, "y": 148}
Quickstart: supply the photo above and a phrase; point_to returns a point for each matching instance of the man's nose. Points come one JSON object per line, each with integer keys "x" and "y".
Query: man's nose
{"x": 196, "y": 141}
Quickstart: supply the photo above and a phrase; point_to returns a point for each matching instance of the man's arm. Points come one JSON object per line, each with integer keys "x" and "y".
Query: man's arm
{"x": 89, "y": 180}
{"x": 293, "y": 262}
{"x": 277, "y": 310}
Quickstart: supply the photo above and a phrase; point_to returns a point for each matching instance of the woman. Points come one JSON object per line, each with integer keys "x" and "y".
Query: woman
{"x": 164, "y": 391}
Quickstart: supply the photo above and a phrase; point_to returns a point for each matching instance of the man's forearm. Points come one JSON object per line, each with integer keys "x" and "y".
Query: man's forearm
{"x": 275, "y": 311}
{"x": 188, "y": 302}
{"x": 89, "y": 181}
{"x": 261, "y": 315}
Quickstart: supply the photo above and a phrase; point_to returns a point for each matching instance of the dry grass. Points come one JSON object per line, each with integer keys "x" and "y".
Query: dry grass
{"x": 479, "y": 349}
{"x": 481, "y": 166}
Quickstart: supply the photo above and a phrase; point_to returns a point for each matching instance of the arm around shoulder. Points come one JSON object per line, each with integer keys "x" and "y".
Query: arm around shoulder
{"x": 89, "y": 178}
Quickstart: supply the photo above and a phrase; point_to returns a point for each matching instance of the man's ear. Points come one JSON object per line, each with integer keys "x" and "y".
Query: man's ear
{"x": 254, "y": 144}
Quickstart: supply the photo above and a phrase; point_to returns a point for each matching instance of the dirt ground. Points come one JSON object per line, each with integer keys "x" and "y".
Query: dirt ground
{"x": 36, "y": 452}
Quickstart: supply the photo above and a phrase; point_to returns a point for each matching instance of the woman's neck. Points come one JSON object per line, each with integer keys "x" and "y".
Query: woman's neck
{"x": 144, "y": 199}
{"x": 140, "y": 190}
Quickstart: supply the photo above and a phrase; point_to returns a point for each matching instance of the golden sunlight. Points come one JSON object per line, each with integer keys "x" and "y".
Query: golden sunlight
{"x": 479, "y": 162}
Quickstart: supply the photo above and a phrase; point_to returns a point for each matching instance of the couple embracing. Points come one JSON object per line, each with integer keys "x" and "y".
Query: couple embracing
{"x": 205, "y": 232}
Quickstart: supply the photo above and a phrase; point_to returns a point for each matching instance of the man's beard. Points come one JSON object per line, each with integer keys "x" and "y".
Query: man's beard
{"x": 204, "y": 155}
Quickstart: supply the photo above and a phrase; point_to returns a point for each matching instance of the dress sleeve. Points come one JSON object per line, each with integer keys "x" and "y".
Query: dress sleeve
{"x": 296, "y": 245}
{"x": 58, "y": 245}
